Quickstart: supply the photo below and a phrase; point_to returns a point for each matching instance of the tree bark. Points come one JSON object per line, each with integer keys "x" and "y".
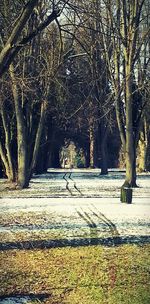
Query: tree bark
{"x": 92, "y": 145}
{"x": 23, "y": 174}
{"x": 4, "y": 160}
{"x": 130, "y": 141}
{"x": 8, "y": 161}
{"x": 143, "y": 148}
{"x": 38, "y": 137}
{"x": 104, "y": 161}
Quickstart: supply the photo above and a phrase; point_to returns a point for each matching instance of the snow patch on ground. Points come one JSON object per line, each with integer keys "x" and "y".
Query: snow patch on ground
{"x": 69, "y": 202}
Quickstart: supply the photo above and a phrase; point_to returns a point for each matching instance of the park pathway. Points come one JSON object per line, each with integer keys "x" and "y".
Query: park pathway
{"x": 73, "y": 208}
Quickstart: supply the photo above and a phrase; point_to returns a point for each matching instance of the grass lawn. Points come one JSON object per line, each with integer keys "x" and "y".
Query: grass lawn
{"x": 81, "y": 275}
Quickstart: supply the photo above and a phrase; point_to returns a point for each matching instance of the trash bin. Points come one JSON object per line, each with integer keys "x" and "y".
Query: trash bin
{"x": 126, "y": 195}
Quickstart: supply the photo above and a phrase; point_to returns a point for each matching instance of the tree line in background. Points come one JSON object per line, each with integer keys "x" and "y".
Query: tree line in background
{"x": 74, "y": 71}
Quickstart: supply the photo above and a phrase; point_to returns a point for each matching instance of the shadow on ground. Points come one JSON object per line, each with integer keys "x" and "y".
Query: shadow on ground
{"x": 92, "y": 219}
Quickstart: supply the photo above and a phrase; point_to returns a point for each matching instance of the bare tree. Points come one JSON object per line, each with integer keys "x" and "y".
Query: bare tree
{"x": 15, "y": 42}
{"x": 23, "y": 76}
{"x": 123, "y": 48}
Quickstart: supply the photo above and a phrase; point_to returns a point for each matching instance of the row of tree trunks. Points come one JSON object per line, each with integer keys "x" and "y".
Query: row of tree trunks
{"x": 20, "y": 172}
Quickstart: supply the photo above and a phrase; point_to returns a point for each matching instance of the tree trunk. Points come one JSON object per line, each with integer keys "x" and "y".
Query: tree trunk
{"x": 2, "y": 172}
{"x": 104, "y": 162}
{"x": 38, "y": 137}
{"x": 5, "y": 161}
{"x": 87, "y": 156}
{"x": 91, "y": 138}
{"x": 130, "y": 141}
{"x": 10, "y": 172}
{"x": 143, "y": 148}
{"x": 23, "y": 174}
{"x": 142, "y": 154}
{"x": 49, "y": 148}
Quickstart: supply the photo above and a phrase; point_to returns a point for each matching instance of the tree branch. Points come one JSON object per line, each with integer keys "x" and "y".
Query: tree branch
{"x": 12, "y": 50}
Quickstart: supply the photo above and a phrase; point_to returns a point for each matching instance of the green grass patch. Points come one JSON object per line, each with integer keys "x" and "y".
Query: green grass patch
{"x": 88, "y": 275}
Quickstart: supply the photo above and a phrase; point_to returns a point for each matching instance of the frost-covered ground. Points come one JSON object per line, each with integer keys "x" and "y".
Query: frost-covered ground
{"x": 74, "y": 207}
{"x": 69, "y": 204}
{"x": 79, "y": 183}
